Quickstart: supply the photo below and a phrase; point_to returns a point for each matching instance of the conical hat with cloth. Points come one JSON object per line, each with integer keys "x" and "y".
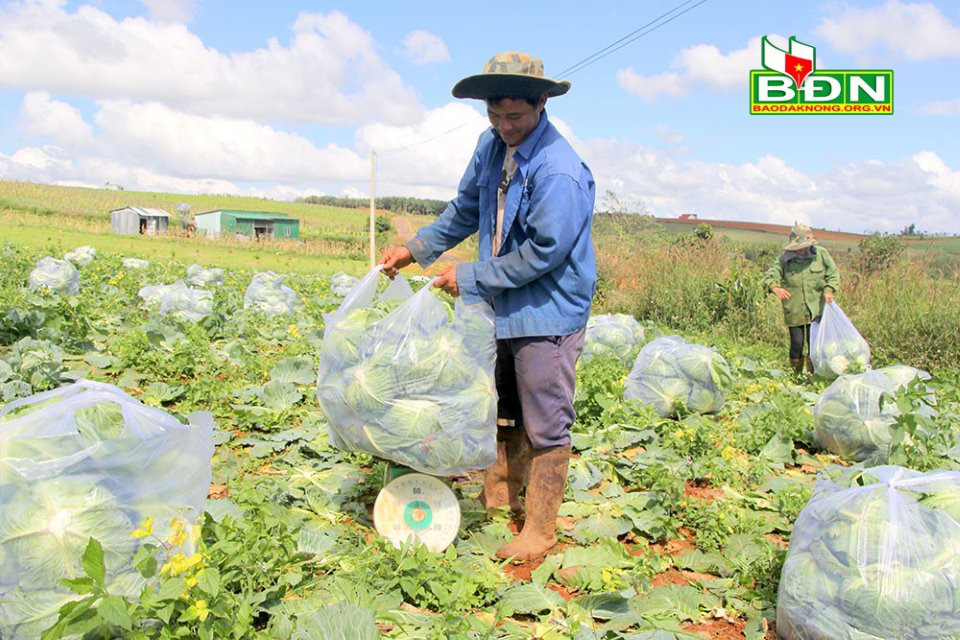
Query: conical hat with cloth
{"x": 801, "y": 236}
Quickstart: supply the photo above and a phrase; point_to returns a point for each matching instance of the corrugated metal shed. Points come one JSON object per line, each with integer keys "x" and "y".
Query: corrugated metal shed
{"x": 135, "y": 220}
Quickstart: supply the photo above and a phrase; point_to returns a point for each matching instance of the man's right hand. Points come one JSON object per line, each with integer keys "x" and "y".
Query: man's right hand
{"x": 394, "y": 259}
{"x": 781, "y": 293}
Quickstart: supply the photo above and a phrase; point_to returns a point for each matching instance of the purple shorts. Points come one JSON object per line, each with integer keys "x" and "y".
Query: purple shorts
{"x": 535, "y": 378}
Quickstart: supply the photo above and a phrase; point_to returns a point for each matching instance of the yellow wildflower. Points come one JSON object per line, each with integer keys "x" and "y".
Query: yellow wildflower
{"x": 178, "y": 533}
{"x": 179, "y": 563}
{"x": 191, "y": 581}
{"x": 146, "y": 529}
{"x": 293, "y": 330}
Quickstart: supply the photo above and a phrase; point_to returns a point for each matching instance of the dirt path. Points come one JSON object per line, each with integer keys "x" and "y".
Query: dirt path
{"x": 405, "y": 231}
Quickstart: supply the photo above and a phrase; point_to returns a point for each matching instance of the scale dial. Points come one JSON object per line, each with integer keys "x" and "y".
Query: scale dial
{"x": 417, "y": 507}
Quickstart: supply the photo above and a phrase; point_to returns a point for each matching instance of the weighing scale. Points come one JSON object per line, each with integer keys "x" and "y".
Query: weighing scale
{"x": 416, "y": 507}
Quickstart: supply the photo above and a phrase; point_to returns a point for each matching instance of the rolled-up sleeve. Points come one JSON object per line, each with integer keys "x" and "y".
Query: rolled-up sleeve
{"x": 458, "y": 221}
{"x": 559, "y": 209}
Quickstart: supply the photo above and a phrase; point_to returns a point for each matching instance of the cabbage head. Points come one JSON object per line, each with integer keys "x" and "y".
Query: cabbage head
{"x": 873, "y": 555}
{"x": 848, "y": 418}
{"x": 678, "y": 377}
{"x": 81, "y": 256}
{"x": 55, "y": 275}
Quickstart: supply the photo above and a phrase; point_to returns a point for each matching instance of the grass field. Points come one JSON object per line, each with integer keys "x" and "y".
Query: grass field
{"x": 915, "y": 246}
{"x": 58, "y": 219}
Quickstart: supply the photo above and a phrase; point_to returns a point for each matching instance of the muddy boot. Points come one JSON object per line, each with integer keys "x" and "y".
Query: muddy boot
{"x": 797, "y": 364}
{"x": 504, "y": 480}
{"x": 548, "y": 478}
{"x": 809, "y": 364}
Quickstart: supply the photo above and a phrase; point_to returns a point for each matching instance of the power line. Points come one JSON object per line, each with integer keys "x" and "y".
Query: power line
{"x": 630, "y": 37}
{"x": 634, "y": 35}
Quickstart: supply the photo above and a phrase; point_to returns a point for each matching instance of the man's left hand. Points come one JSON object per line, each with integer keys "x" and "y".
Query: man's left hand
{"x": 828, "y": 296}
{"x": 447, "y": 281}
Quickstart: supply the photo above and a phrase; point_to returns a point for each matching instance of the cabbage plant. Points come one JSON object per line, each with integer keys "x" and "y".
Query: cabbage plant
{"x": 678, "y": 377}
{"x": 410, "y": 381}
{"x": 618, "y": 335}
{"x": 852, "y": 421}
{"x": 875, "y": 554}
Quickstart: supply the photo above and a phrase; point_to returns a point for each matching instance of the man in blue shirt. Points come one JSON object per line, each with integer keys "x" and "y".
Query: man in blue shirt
{"x": 530, "y": 198}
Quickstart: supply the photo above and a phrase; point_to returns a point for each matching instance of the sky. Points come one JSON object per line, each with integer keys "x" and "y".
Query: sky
{"x": 287, "y": 99}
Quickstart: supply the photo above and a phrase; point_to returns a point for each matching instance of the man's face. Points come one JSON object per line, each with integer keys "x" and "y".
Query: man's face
{"x": 514, "y": 118}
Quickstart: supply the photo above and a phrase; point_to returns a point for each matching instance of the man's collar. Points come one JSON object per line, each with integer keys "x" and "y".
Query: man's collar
{"x": 525, "y": 147}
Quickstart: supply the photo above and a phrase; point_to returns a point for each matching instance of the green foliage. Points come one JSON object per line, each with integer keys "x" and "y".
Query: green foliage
{"x": 878, "y": 252}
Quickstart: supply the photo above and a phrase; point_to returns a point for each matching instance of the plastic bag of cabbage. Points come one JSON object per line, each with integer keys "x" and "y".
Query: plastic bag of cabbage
{"x": 848, "y": 418}
{"x": 268, "y": 294}
{"x": 341, "y": 284}
{"x": 56, "y": 275}
{"x": 82, "y": 461}
{"x": 618, "y": 335}
{"x": 874, "y": 555}
{"x": 81, "y": 256}
{"x": 836, "y": 347}
{"x": 135, "y": 263}
{"x": 678, "y": 377}
{"x": 410, "y": 380}
{"x": 178, "y": 300}
{"x": 197, "y": 276}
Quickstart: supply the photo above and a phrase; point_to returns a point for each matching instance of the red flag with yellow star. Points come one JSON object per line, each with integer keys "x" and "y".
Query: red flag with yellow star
{"x": 798, "y": 62}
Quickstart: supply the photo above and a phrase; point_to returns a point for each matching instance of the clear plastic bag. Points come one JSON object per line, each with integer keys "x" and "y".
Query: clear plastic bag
{"x": 836, "y": 347}
{"x": 268, "y": 294}
{"x": 135, "y": 263}
{"x": 341, "y": 284}
{"x": 197, "y": 276}
{"x": 56, "y": 275}
{"x": 81, "y": 256}
{"x": 618, "y": 335}
{"x": 848, "y": 418}
{"x": 875, "y": 555}
{"x": 406, "y": 379}
{"x": 178, "y": 300}
{"x": 87, "y": 460}
{"x": 678, "y": 377}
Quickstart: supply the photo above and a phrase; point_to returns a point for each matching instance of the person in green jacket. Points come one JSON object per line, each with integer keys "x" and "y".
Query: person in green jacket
{"x": 804, "y": 278}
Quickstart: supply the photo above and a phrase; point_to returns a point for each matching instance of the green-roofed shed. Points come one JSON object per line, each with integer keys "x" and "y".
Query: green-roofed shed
{"x": 258, "y": 225}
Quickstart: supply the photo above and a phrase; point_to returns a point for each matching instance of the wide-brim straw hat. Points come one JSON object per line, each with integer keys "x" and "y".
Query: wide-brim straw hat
{"x": 801, "y": 236}
{"x": 510, "y": 74}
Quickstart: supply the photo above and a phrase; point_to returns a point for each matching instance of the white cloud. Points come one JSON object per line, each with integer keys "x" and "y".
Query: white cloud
{"x": 148, "y": 146}
{"x": 918, "y": 31}
{"x": 170, "y": 10}
{"x": 854, "y": 196}
{"x": 942, "y": 108}
{"x": 328, "y": 72}
{"x": 423, "y": 47}
{"x": 669, "y": 135}
{"x": 702, "y": 66}
{"x": 54, "y": 120}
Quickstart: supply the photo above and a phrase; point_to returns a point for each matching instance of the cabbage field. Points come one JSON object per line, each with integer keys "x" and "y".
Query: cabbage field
{"x": 692, "y": 466}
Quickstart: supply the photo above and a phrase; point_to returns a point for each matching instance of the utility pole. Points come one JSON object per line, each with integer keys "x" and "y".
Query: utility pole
{"x": 373, "y": 178}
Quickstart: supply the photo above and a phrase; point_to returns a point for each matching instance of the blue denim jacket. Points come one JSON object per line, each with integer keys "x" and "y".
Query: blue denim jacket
{"x": 543, "y": 279}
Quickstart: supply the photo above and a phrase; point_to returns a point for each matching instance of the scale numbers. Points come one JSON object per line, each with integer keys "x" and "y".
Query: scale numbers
{"x": 417, "y": 507}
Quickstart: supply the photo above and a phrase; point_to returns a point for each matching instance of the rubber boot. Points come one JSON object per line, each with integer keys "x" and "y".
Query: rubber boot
{"x": 809, "y": 364}
{"x": 548, "y": 478}
{"x": 505, "y": 478}
{"x": 797, "y": 364}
